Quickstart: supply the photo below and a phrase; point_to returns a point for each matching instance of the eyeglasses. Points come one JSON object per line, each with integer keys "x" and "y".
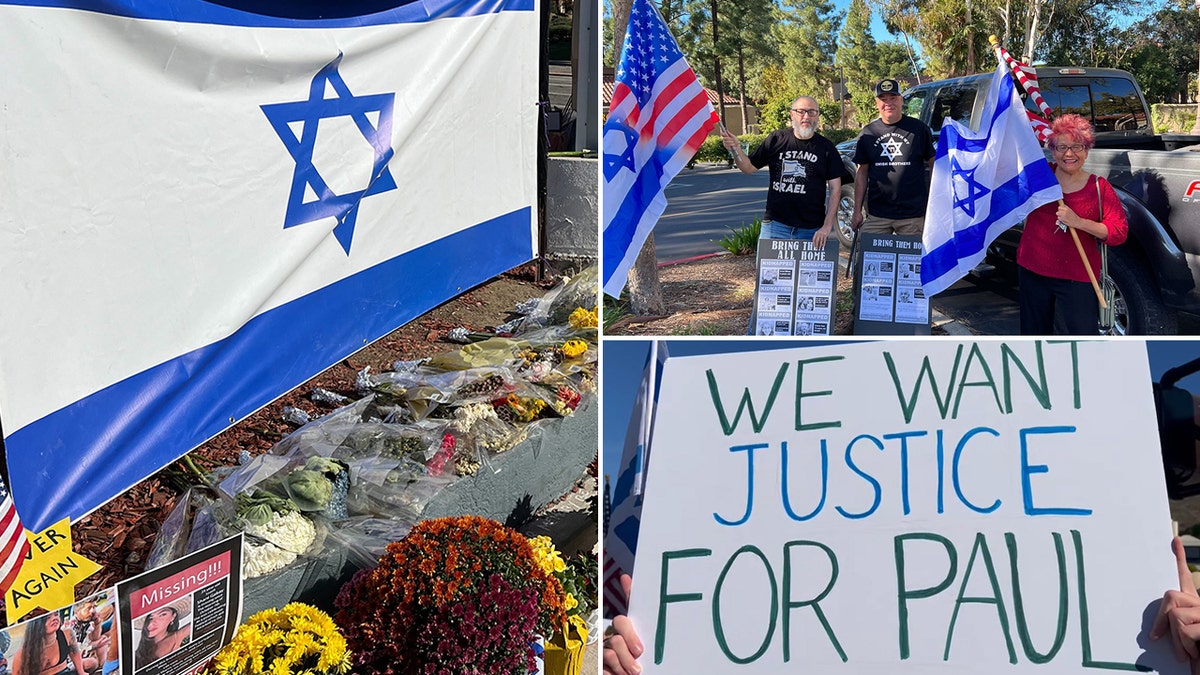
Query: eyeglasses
{"x": 1077, "y": 148}
{"x": 805, "y": 112}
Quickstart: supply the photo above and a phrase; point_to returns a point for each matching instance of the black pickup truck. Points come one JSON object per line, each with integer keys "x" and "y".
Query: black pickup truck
{"x": 1157, "y": 271}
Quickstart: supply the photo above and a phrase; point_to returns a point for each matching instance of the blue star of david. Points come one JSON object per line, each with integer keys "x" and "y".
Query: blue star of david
{"x": 974, "y": 189}
{"x": 344, "y": 208}
{"x": 614, "y": 163}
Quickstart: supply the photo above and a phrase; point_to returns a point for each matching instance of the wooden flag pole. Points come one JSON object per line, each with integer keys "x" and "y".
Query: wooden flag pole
{"x": 1086, "y": 265}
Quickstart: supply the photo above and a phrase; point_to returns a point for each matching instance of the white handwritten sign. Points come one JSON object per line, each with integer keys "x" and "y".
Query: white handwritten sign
{"x": 911, "y": 507}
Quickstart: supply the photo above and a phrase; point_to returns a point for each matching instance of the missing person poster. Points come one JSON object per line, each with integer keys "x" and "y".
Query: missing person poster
{"x": 983, "y": 507}
{"x": 889, "y": 298}
{"x": 796, "y": 293}
{"x": 176, "y": 617}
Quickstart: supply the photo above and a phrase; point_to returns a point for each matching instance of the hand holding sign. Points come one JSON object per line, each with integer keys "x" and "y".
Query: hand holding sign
{"x": 1179, "y": 613}
{"x": 622, "y": 647}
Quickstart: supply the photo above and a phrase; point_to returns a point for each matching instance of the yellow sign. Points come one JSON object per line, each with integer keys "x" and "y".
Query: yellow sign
{"x": 50, "y": 573}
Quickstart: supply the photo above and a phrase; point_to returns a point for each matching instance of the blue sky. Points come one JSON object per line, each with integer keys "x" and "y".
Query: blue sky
{"x": 622, "y": 362}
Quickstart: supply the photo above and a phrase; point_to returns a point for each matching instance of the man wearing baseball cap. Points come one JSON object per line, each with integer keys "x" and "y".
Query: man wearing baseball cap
{"x": 894, "y": 157}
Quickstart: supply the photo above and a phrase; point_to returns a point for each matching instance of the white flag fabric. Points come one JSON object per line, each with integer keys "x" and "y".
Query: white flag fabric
{"x": 202, "y": 207}
{"x": 620, "y": 542}
{"x": 983, "y": 183}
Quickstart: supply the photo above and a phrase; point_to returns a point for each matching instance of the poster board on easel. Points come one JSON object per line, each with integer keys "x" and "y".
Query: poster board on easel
{"x": 795, "y": 288}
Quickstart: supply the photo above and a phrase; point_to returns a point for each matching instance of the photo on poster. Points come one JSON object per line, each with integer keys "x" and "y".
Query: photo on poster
{"x": 175, "y": 618}
{"x": 76, "y": 639}
{"x": 795, "y": 279}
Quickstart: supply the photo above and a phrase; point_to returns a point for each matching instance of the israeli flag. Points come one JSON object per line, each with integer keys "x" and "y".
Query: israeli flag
{"x": 624, "y": 521}
{"x": 202, "y": 206}
{"x": 983, "y": 183}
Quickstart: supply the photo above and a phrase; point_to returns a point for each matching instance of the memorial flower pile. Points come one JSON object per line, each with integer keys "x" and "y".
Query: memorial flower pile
{"x": 456, "y": 595}
{"x": 296, "y": 640}
{"x": 417, "y": 429}
{"x": 278, "y": 532}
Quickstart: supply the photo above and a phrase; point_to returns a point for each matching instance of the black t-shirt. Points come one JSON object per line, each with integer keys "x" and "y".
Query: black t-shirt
{"x": 897, "y": 156}
{"x": 799, "y": 170}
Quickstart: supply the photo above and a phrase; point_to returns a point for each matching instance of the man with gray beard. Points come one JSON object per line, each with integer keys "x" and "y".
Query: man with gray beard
{"x": 806, "y": 176}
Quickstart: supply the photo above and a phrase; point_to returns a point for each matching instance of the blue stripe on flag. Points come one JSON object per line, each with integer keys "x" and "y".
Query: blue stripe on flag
{"x": 627, "y": 532}
{"x": 199, "y": 11}
{"x": 620, "y": 233}
{"x": 1004, "y": 199}
{"x": 101, "y": 445}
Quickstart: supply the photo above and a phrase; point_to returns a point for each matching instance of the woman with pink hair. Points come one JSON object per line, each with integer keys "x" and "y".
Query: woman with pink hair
{"x": 1052, "y": 276}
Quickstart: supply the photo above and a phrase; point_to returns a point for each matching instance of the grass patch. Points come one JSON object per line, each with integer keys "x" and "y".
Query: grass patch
{"x": 614, "y": 309}
{"x": 741, "y": 293}
{"x": 742, "y": 240}
{"x": 700, "y": 329}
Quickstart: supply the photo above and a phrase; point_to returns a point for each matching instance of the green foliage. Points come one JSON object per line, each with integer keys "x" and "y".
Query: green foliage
{"x": 864, "y": 106}
{"x": 559, "y": 37}
{"x": 865, "y": 61}
{"x": 742, "y": 240}
{"x": 610, "y": 56}
{"x": 839, "y": 135}
{"x": 1172, "y": 119}
{"x": 807, "y": 37}
{"x": 774, "y": 114}
{"x": 614, "y": 309}
{"x": 1152, "y": 69}
{"x": 579, "y": 579}
{"x": 713, "y": 150}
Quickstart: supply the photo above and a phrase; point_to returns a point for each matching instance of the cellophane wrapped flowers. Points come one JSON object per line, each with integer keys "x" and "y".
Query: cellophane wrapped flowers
{"x": 296, "y": 640}
{"x": 456, "y": 595}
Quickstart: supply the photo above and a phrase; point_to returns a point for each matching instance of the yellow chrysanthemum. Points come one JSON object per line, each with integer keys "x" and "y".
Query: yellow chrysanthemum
{"x": 278, "y": 642}
{"x": 573, "y": 348}
{"x": 547, "y": 556}
{"x": 584, "y": 318}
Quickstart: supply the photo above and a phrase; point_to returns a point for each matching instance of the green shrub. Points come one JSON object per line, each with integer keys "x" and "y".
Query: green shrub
{"x": 1172, "y": 119}
{"x": 742, "y": 240}
{"x": 614, "y": 309}
{"x": 839, "y": 135}
{"x": 713, "y": 150}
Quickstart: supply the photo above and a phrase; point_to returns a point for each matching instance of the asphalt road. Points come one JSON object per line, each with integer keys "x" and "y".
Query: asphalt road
{"x": 702, "y": 204}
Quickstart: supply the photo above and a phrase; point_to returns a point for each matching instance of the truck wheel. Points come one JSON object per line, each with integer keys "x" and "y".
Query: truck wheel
{"x": 845, "y": 212}
{"x": 1138, "y": 308}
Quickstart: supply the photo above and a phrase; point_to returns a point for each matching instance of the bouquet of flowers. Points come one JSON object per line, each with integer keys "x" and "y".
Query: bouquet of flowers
{"x": 454, "y": 596}
{"x": 298, "y": 639}
{"x": 565, "y": 650}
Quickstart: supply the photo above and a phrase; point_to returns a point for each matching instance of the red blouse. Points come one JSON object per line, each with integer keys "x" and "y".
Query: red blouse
{"x": 1050, "y": 252}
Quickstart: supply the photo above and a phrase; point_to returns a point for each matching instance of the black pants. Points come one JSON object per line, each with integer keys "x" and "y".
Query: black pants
{"x": 1075, "y": 302}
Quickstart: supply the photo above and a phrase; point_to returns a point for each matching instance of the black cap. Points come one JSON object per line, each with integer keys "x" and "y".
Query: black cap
{"x": 887, "y": 87}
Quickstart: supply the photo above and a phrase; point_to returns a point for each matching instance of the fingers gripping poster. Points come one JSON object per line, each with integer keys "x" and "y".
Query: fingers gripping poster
{"x": 905, "y": 507}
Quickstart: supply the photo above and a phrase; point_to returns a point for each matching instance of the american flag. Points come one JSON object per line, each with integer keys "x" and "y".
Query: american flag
{"x": 659, "y": 116}
{"x": 1027, "y": 77}
{"x": 14, "y": 545}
